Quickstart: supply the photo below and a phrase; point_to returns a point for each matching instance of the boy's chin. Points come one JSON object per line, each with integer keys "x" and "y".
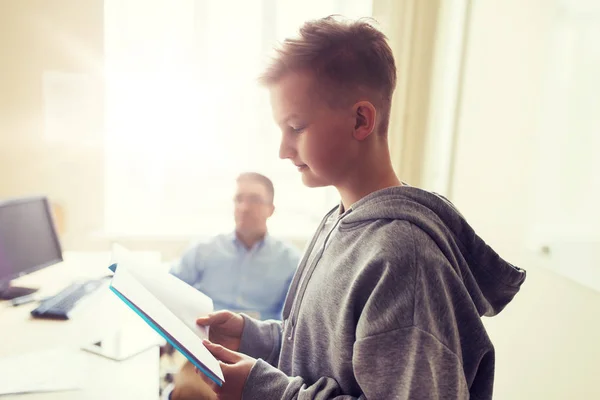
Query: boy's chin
{"x": 312, "y": 181}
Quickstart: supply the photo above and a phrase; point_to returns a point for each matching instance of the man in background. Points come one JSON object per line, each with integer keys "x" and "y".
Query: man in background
{"x": 247, "y": 270}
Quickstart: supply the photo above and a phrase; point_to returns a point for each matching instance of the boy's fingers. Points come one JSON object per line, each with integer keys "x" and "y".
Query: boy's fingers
{"x": 214, "y": 318}
{"x": 222, "y": 353}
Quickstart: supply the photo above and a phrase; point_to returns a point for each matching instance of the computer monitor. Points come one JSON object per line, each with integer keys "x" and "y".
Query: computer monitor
{"x": 28, "y": 242}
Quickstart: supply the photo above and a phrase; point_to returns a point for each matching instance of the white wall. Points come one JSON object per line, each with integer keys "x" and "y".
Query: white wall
{"x": 37, "y": 36}
{"x": 547, "y": 340}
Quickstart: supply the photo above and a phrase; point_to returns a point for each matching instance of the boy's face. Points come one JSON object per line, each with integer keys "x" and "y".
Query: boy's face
{"x": 317, "y": 138}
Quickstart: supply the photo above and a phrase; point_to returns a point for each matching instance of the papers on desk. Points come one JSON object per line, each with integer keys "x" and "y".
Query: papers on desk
{"x": 52, "y": 370}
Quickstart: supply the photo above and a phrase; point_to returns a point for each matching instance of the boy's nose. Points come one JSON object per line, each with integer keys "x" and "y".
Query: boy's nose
{"x": 285, "y": 149}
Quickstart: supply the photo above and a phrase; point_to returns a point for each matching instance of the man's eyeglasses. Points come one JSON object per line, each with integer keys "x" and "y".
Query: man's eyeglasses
{"x": 253, "y": 200}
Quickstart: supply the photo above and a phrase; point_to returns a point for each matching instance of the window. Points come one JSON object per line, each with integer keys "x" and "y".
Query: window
{"x": 185, "y": 115}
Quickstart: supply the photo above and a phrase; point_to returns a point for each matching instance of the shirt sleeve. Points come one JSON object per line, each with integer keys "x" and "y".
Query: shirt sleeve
{"x": 189, "y": 268}
{"x": 290, "y": 265}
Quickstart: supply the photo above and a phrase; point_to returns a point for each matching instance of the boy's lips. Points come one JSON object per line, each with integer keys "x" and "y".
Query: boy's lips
{"x": 301, "y": 167}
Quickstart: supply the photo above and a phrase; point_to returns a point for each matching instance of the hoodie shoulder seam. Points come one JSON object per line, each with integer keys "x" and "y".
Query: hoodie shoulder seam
{"x": 427, "y": 333}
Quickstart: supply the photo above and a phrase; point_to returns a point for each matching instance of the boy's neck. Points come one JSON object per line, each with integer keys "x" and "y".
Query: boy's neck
{"x": 374, "y": 174}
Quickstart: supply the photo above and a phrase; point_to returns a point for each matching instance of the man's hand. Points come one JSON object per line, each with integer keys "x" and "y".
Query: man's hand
{"x": 189, "y": 386}
{"x": 225, "y": 328}
{"x": 236, "y": 368}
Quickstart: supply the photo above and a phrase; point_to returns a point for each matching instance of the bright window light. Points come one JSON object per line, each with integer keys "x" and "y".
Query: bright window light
{"x": 185, "y": 114}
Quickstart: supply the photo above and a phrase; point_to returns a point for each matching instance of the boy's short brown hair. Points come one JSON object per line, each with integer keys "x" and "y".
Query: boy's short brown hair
{"x": 348, "y": 58}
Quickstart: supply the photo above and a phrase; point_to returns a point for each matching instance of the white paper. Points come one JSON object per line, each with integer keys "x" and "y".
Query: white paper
{"x": 187, "y": 305}
{"x": 51, "y": 370}
{"x": 125, "y": 283}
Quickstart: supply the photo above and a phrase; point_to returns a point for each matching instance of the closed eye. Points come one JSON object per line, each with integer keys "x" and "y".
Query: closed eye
{"x": 297, "y": 130}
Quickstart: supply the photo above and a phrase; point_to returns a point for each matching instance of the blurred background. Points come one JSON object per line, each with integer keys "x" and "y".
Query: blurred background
{"x": 135, "y": 116}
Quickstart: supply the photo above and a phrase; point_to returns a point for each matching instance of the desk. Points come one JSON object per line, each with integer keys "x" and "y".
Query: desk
{"x": 134, "y": 378}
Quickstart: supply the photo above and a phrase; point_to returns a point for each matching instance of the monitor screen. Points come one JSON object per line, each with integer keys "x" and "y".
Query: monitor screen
{"x": 28, "y": 239}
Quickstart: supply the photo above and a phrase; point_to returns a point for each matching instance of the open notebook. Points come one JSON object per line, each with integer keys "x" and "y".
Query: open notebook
{"x": 170, "y": 306}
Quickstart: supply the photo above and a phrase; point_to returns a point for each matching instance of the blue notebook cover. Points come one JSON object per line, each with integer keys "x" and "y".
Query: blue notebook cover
{"x": 170, "y": 339}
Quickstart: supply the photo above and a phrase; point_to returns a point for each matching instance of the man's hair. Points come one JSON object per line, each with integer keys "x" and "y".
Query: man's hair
{"x": 346, "y": 56}
{"x": 263, "y": 180}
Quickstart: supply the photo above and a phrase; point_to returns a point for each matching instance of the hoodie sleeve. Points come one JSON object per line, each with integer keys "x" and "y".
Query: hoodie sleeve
{"x": 268, "y": 383}
{"x": 428, "y": 370}
{"x": 261, "y": 339}
{"x": 408, "y": 363}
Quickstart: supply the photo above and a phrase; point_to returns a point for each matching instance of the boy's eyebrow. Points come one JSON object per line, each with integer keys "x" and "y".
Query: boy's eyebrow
{"x": 287, "y": 119}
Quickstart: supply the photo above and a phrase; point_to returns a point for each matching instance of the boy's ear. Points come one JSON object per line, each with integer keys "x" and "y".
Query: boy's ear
{"x": 365, "y": 114}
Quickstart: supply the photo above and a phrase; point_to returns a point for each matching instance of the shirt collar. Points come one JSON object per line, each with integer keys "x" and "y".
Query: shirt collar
{"x": 261, "y": 243}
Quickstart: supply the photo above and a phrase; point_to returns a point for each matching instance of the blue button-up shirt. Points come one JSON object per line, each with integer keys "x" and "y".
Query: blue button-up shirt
{"x": 241, "y": 279}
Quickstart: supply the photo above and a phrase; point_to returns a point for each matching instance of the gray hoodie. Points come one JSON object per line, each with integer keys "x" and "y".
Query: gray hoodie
{"x": 386, "y": 304}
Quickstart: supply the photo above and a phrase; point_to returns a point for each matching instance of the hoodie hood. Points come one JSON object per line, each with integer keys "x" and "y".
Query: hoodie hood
{"x": 491, "y": 281}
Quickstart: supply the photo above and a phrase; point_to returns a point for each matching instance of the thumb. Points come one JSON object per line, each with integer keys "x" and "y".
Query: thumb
{"x": 222, "y": 353}
{"x": 218, "y": 317}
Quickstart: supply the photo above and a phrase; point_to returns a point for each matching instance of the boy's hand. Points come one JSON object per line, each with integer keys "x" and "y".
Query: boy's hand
{"x": 225, "y": 328}
{"x": 236, "y": 368}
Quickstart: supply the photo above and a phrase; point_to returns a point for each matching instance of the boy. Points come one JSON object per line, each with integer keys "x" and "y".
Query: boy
{"x": 388, "y": 299}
